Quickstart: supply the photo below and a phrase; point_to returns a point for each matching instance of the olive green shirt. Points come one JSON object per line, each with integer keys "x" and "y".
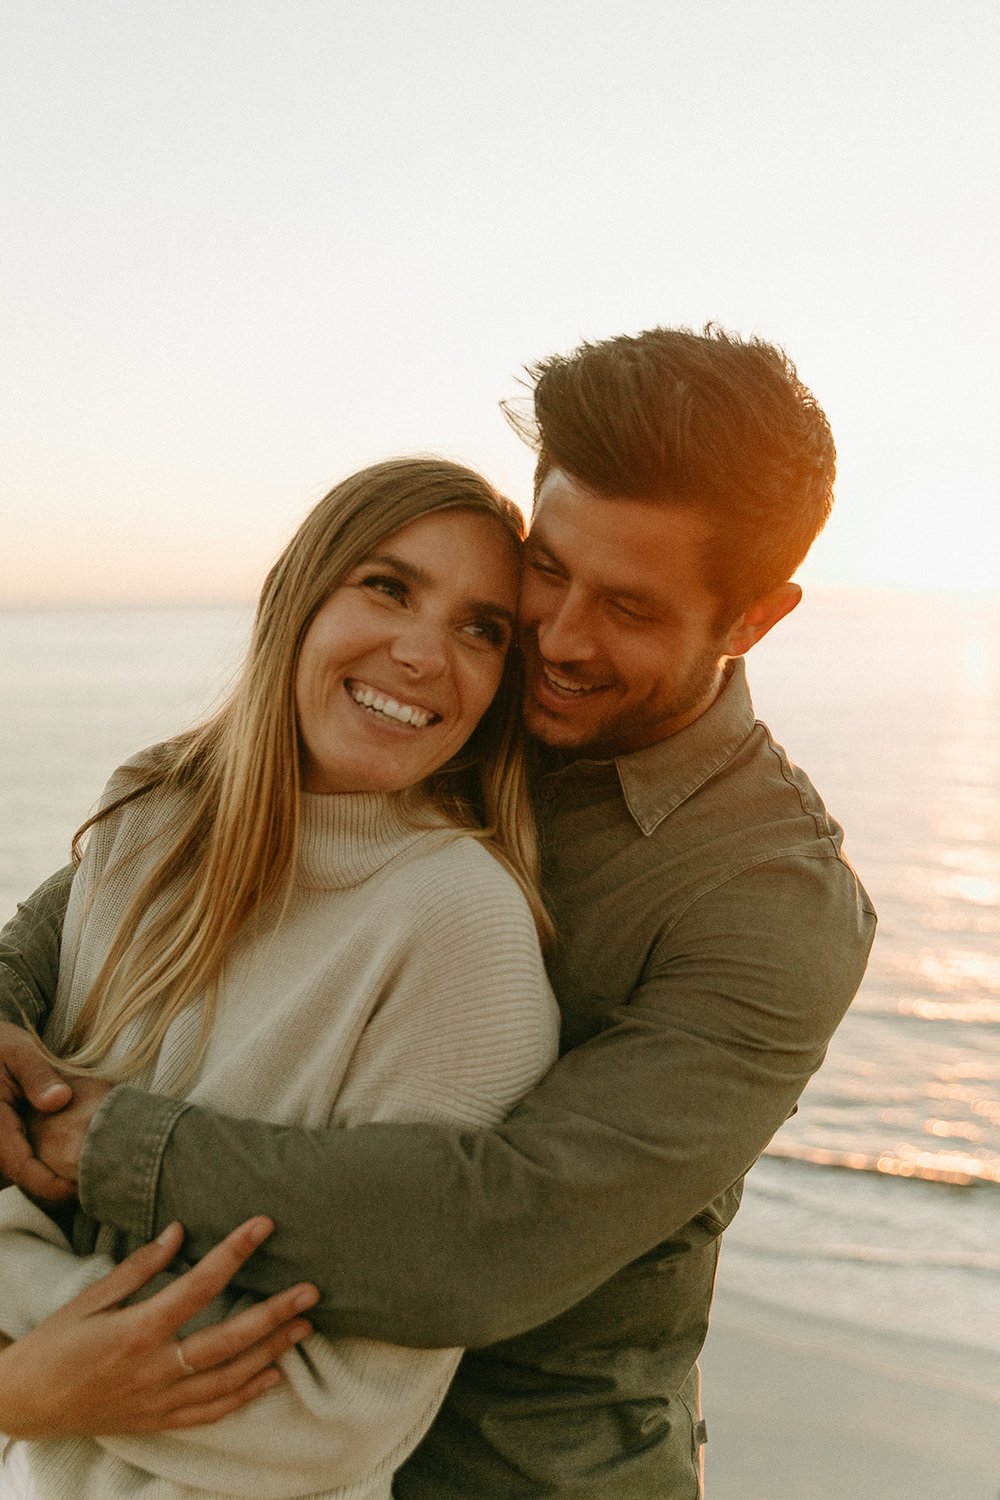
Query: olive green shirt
{"x": 711, "y": 937}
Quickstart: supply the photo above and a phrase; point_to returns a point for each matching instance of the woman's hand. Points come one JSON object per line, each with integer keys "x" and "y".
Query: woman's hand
{"x": 98, "y": 1367}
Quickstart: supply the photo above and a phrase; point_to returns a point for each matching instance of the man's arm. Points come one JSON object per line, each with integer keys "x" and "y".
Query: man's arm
{"x": 29, "y": 967}
{"x": 29, "y": 952}
{"x": 433, "y": 1236}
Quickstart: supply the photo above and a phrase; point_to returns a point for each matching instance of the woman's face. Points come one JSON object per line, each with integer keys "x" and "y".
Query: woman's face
{"x": 402, "y": 661}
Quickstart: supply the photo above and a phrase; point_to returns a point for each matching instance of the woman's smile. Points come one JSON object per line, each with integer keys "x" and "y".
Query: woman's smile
{"x": 385, "y": 706}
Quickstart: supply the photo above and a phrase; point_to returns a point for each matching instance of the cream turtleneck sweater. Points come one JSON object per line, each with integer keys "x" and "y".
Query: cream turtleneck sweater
{"x": 404, "y": 982}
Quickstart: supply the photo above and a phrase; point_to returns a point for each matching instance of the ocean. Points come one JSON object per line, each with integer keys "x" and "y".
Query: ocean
{"x": 876, "y": 1206}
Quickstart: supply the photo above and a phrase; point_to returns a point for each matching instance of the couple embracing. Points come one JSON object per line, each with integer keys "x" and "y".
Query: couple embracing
{"x": 301, "y": 981}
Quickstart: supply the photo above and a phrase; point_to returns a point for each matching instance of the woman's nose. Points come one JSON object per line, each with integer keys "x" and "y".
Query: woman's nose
{"x": 421, "y": 647}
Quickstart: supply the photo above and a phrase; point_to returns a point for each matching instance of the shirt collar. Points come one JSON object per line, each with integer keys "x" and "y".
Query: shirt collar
{"x": 658, "y": 779}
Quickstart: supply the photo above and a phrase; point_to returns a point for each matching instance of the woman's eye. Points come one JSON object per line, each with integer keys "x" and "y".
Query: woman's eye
{"x": 490, "y": 632}
{"x": 384, "y": 583}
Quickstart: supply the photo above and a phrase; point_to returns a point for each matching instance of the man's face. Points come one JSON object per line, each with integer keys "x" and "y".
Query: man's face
{"x": 619, "y": 632}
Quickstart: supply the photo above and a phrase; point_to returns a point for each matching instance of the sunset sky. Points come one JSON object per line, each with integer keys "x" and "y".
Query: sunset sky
{"x": 250, "y": 246}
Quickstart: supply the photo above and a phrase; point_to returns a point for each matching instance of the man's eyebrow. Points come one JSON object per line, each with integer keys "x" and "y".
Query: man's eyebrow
{"x": 628, "y": 595}
{"x": 647, "y": 603}
{"x": 625, "y": 592}
{"x": 420, "y": 576}
{"x": 534, "y": 543}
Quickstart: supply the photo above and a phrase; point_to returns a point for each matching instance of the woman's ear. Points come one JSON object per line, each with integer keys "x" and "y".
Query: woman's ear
{"x": 758, "y": 617}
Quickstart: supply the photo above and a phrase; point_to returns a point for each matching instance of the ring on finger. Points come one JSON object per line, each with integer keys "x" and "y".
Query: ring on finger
{"x": 179, "y": 1350}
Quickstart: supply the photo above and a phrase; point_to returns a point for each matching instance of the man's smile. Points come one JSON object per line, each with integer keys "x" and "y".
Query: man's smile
{"x": 560, "y": 684}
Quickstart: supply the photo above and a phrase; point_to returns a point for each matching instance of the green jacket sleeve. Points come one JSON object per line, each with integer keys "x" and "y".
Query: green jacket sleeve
{"x": 426, "y": 1235}
{"x": 29, "y": 952}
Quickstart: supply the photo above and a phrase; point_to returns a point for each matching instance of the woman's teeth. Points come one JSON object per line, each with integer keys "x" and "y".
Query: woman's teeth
{"x": 403, "y": 713}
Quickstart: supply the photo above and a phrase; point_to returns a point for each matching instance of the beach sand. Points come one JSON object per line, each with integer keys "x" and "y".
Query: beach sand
{"x": 804, "y": 1409}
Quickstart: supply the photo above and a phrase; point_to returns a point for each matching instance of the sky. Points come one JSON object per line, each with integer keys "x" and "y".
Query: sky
{"x": 251, "y": 245}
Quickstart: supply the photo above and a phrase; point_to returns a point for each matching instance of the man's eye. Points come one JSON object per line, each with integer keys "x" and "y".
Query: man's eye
{"x": 541, "y": 565}
{"x": 627, "y": 613}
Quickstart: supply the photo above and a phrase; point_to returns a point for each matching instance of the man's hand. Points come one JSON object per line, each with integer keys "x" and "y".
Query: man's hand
{"x": 97, "y": 1366}
{"x": 58, "y": 1138}
{"x": 28, "y": 1079}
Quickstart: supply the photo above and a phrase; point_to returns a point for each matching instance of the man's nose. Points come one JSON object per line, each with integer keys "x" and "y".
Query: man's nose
{"x": 565, "y": 631}
{"x": 421, "y": 647}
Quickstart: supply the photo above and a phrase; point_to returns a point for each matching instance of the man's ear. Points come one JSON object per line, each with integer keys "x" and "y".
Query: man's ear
{"x": 757, "y": 619}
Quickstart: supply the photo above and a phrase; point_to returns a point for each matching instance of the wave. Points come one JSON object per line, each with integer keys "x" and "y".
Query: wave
{"x": 985, "y": 1012}
{"x": 949, "y": 1260}
{"x": 951, "y": 1169}
{"x": 945, "y": 1006}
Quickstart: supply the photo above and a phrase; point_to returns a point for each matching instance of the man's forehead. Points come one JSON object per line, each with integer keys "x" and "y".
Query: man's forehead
{"x": 640, "y": 551}
{"x": 635, "y": 531}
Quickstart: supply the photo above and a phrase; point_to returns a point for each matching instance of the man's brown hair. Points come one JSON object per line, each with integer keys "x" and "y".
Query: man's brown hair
{"x": 710, "y": 422}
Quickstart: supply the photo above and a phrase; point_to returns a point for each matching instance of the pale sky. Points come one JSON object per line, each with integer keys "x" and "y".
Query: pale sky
{"x": 249, "y": 245}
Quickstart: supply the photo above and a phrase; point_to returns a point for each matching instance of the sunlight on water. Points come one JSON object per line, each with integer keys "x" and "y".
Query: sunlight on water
{"x": 937, "y": 1166}
{"x": 909, "y": 759}
{"x": 979, "y": 1012}
{"x": 971, "y": 888}
{"x": 955, "y": 1130}
{"x": 957, "y": 1168}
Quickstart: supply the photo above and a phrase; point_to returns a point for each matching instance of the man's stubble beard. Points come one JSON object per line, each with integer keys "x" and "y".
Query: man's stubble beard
{"x": 699, "y": 688}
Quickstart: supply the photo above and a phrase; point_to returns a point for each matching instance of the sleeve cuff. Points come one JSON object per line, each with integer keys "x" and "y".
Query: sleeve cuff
{"x": 121, "y": 1158}
{"x": 17, "y": 1004}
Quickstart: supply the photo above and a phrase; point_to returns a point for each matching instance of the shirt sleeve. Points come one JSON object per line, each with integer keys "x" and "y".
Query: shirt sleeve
{"x": 30, "y": 942}
{"x": 433, "y": 1235}
{"x": 29, "y": 952}
{"x": 468, "y": 1025}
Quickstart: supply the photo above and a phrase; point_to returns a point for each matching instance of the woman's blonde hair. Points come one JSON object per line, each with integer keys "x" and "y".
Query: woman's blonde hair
{"x": 231, "y": 847}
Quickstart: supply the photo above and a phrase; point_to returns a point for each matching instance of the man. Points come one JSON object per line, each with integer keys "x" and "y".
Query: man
{"x": 711, "y": 937}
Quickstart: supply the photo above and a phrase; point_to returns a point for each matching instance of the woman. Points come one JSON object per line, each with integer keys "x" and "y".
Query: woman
{"x": 319, "y": 906}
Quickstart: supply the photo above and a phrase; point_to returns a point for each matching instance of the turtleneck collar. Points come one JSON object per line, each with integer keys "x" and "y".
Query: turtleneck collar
{"x": 346, "y": 838}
